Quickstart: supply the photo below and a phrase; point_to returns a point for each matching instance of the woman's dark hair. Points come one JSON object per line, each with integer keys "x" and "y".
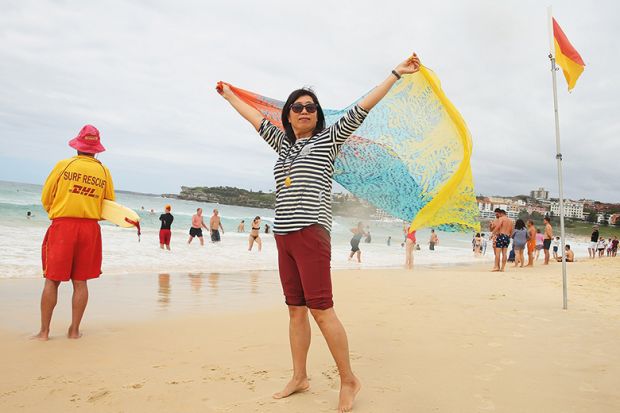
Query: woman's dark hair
{"x": 477, "y": 235}
{"x": 519, "y": 224}
{"x": 286, "y": 110}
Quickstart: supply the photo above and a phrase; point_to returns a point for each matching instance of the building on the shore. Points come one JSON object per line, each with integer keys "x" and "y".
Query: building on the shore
{"x": 572, "y": 209}
{"x": 540, "y": 194}
{"x": 540, "y": 209}
{"x": 487, "y": 205}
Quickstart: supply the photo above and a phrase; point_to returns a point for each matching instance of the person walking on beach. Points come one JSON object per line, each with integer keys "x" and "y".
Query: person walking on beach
{"x": 593, "y": 242}
{"x": 164, "y": 231}
{"x": 547, "y": 237}
{"x": 216, "y": 224}
{"x": 73, "y": 197}
{"x": 614, "y": 246}
{"x": 484, "y": 244}
{"x": 198, "y": 224}
{"x": 358, "y": 233}
{"x": 434, "y": 240}
{"x": 303, "y": 172}
{"x": 241, "y": 226}
{"x": 519, "y": 239}
{"x": 502, "y": 229}
{"x": 531, "y": 242}
{"x": 255, "y": 235}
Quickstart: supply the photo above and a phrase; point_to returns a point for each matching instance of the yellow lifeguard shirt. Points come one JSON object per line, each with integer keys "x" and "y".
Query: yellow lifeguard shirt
{"x": 76, "y": 188}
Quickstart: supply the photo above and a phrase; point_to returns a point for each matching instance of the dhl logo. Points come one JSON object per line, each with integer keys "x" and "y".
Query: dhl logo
{"x": 83, "y": 190}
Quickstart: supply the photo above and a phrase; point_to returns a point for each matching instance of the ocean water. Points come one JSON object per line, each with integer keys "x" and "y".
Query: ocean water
{"x": 20, "y": 239}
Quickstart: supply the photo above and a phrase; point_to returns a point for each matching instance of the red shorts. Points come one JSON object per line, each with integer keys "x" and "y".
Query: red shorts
{"x": 304, "y": 260}
{"x": 164, "y": 236}
{"x": 72, "y": 249}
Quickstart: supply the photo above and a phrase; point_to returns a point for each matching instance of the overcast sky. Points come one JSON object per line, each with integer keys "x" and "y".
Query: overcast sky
{"x": 144, "y": 73}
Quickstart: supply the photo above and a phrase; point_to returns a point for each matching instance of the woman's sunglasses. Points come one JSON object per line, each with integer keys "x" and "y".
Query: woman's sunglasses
{"x": 310, "y": 107}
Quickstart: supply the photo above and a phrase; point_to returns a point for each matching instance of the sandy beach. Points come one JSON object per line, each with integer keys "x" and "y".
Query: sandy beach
{"x": 454, "y": 339}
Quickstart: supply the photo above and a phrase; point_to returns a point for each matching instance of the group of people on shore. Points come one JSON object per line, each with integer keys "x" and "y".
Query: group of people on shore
{"x": 523, "y": 235}
{"x": 215, "y": 225}
{"x": 598, "y": 245}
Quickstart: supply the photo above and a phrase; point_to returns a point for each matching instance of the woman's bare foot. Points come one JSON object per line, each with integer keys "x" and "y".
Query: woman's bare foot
{"x": 348, "y": 391}
{"x": 74, "y": 334}
{"x": 293, "y": 386}
{"x": 42, "y": 336}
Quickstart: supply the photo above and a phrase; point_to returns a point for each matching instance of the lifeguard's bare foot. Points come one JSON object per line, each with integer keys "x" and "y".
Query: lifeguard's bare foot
{"x": 293, "y": 386}
{"x": 348, "y": 391}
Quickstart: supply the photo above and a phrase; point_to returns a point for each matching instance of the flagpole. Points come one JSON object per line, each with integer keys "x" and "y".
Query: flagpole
{"x": 558, "y": 157}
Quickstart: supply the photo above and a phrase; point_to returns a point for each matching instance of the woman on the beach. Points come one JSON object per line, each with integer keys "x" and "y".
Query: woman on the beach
{"x": 410, "y": 245}
{"x": 477, "y": 245}
{"x": 531, "y": 242}
{"x": 358, "y": 233}
{"x": 255, "y": 235}
{"x": 303, "y": 173}
{"x": 519, "y": 237}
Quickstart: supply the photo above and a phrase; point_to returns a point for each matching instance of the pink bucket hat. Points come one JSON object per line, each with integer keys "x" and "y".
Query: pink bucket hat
{"x": 87, "y": 140}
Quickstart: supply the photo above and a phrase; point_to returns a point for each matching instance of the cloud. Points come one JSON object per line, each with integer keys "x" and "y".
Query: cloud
{"x": 144, "y": 74}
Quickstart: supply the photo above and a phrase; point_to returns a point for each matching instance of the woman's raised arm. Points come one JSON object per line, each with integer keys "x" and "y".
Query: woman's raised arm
{"x": 251, "y": 114}
{"x": 411, "y": 65}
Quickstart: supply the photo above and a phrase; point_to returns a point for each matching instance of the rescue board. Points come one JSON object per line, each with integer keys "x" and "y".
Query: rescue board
{"x": 119, "y": 215}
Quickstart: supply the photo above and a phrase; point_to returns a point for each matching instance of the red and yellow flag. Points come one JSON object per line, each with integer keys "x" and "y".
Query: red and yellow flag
{"x": 566, "y": 56}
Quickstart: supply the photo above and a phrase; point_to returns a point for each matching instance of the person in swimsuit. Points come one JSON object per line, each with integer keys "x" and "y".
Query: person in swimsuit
{"x": 556, "y": 247}
{"x": 410, "y": 244}
{"x": 164, "y": 231}
{"x": 198, "y": 224}
{"x": 241, "y": 227}
{"x": 531, "y": 242}
{"x": 519, "y": 237}
{"x": 502, "y": 229}
{"x": 570, "y": 255}
{"x": 216, "y": 224}
{"x": 255, "y": 235}
{"x": 358, "y": 233}
{"x": 547, "y": 238}
{"x": 477, "y": 245}
{"x": 434, "y": 240}
{"x": 539, "y": 243}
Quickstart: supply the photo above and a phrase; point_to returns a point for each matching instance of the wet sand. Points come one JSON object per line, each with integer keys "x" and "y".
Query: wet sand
{"x": 456, "y": 339}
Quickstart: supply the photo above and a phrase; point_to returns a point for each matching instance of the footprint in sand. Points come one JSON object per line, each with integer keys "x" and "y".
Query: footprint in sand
{"x": 495, "y": 344}
{"x": 507, "y": 362}
{"x": 587, "y": 387}
{"x": 98, "y": 395}
{"x": 485, "y": 404}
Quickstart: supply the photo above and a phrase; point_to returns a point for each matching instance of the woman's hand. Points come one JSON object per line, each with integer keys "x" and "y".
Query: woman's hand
{"x": 224, "y": 90}
{"x": 411, "y": 65}
{"x": 250, "y": 113}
